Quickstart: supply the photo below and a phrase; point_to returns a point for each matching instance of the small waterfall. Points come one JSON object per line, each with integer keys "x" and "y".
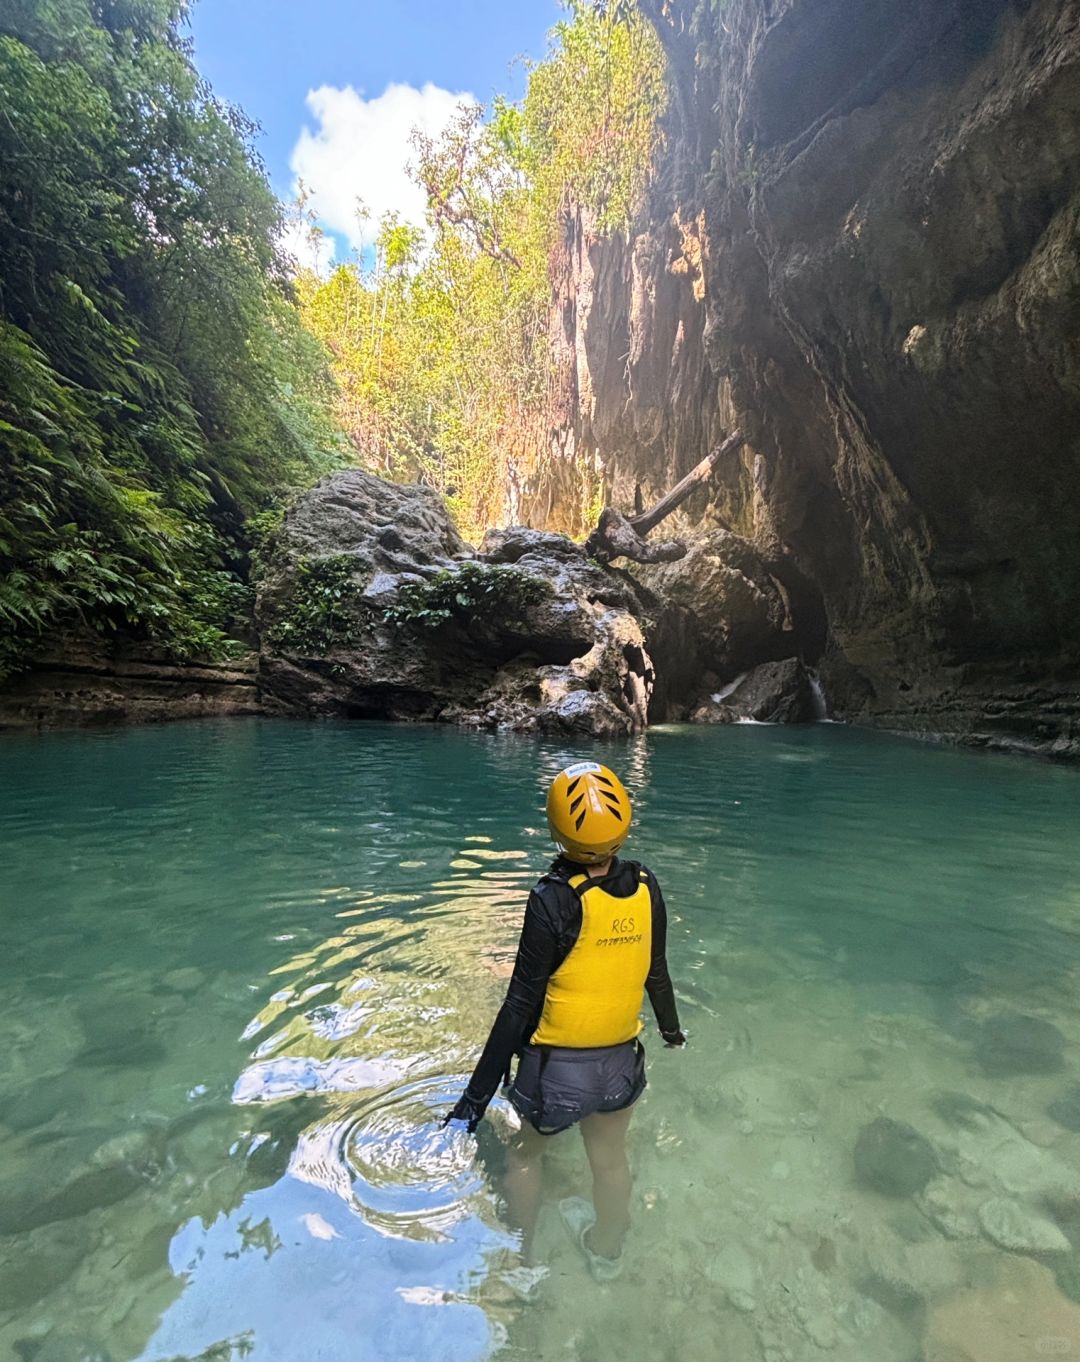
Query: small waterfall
{"x": 730, "y": 688}
{"x": 821, "y": 705}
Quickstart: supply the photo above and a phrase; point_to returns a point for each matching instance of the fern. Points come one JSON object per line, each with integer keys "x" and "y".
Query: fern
{"x": 154, "y": 389}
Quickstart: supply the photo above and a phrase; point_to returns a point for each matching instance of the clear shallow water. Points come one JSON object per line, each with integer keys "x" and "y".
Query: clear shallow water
{"x": 247, "y": 966}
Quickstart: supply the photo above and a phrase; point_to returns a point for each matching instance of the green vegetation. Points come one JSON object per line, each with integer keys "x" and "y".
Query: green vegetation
{"x": 473, "y": 588}
{"x": 165, "y": 384}
{"x": 440, "y": 348}
{"x": 156, "y": 386}
{"x": 319, "y": 615}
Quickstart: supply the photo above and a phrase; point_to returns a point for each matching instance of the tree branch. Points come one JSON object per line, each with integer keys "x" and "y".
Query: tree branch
{"x": 617, "y": 537}
{"x": 698, "y": 475}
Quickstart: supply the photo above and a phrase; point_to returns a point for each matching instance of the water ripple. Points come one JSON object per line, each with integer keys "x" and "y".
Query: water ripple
{"x": 393, "y": 1161}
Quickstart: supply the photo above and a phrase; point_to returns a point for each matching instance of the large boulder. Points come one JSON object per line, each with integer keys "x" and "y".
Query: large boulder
{"x": 738, "y": 613}
{"x": 512, "y": 544}
{"x": 371, "y": 605}
{"x": 386, "y": 526}
{"x": 773, "y": 693}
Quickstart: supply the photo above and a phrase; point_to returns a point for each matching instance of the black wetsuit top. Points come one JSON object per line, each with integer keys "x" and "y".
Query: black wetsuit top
{"x": 552, "y": 924}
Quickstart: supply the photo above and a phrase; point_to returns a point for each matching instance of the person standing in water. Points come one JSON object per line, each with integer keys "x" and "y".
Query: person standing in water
{"x": 593, "y": 943}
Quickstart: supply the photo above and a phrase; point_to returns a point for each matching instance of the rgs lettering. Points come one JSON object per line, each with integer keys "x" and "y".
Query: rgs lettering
{"x": 622, "y": 924}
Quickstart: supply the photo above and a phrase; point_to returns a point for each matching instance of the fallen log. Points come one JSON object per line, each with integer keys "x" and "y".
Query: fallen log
{"x": 617, "y": 536}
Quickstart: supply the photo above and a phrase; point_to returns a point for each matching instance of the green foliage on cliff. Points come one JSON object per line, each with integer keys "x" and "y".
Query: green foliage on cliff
{"x": 319, "y": 615}
{"x": 588, "y": 128}
{"x": 156, "y": 386}
{"x": 491, "y": 593}
{"x": 441, "y": 349}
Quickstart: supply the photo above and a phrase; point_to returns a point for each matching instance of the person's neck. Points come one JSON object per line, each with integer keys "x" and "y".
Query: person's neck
{"x": 601, "y": 868}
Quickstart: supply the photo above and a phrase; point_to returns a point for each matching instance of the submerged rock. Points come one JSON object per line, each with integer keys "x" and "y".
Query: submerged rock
{"x": 891, "y": 1157}
{"x": 904, "y": 1272}
{"x": 960, "y": 1109}
{"x": 39, "y": 1038}
{"x": 1021, "y": 1314}
{"x": 88, "y": 1191}
{"x": 773, "y": 1099}
{"x": 732, "y": 1269}
{"x": 947, "y": 1204}
{"x": 1019, "y": 1228}
{"x": 46, "y": 1102}
{"x": 1065, "y": 1108}
{"x": 1013, "y": 1043}
{"x": 151, "y": 1254}
{"x": 186, "y": 979}
{"x": 77, "y": 1174}
{"x": 1000, "y": 1154}
{"x": 30, "y": 1269}
{"x": 898, "y": 1298}
{"x": 122, "y": 1031}
{"x": 71, "y": 1345}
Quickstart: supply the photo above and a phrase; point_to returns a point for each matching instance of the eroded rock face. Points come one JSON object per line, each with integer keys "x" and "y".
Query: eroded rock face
{"x": 572, "y": 661}
{"x": 82, "y": 680}
{"x": 738, "y": 612}
{"x": 863, "y": 252}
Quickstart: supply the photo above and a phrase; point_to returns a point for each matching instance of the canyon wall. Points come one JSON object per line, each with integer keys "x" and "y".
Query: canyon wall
{"x": 82, "y": 680}
{"x": 862, "y": 248}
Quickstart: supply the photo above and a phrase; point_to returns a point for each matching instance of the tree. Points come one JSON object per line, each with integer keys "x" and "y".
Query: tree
{"x": 451, "y": 383}
{"x": 156, "y": 386}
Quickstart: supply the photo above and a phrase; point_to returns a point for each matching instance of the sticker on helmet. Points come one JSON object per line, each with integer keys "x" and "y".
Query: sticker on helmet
{"x": 580, "y": 768}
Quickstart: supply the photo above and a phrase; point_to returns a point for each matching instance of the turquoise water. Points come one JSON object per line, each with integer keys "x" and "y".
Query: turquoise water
{"x": 248, "y": 965}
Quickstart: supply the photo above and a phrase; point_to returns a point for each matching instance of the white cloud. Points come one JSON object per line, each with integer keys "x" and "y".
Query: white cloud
{"x": 360, "y": 148}
{"x": 310, "y": 252}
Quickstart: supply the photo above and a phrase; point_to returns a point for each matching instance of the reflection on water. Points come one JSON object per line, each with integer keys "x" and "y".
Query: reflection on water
{"x": 249, "y": 966}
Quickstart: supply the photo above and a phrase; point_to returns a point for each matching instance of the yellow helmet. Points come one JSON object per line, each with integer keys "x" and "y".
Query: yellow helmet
{"x": 588, "y": 812}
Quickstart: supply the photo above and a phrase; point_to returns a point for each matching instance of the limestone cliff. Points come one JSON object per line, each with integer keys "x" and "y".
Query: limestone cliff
{"x": 80, "y": 679}
{"x": 862, "y": 247}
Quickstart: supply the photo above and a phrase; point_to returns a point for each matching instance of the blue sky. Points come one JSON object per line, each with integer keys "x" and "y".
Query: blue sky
{"x": 337, "y": 85}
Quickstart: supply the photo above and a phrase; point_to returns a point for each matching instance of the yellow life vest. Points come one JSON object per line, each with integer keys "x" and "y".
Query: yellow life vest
{"x": 594, "y": 997}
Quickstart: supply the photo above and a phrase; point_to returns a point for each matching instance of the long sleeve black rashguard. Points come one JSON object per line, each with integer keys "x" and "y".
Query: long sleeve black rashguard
{"x": 551, "y": 927}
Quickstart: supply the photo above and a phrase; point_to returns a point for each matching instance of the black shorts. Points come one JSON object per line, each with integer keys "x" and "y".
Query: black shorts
{"x": 556, "y": 1086}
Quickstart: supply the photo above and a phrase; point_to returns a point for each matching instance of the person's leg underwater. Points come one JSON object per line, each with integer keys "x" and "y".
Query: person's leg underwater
{"x": 605, "y": 1144}
{"x": 524, "y": 1177}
